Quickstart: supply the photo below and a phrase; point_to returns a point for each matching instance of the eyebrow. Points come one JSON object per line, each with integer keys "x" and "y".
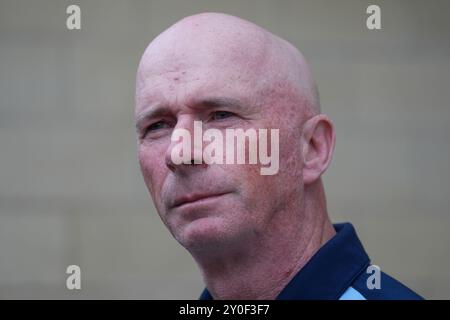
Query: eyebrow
{"x": 159, "y": 110}
{"x": 219, "y": 102}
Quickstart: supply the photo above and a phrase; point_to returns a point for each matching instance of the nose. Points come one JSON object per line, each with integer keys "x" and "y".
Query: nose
{"x": 185, "y": 149}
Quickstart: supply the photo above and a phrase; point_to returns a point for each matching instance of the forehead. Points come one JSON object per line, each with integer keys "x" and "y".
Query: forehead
{"x": 185, "y": 62}
{"x": 182, "y": 84}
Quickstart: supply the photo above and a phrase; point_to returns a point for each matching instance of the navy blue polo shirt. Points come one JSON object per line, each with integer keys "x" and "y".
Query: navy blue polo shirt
{"x": 339, "y": 270}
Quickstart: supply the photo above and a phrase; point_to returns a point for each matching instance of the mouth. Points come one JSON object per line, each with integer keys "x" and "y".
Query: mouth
{"x": 196, "y": 198}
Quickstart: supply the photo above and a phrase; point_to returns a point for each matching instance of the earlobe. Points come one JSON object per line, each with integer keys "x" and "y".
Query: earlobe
{"x": 318, "y": 146}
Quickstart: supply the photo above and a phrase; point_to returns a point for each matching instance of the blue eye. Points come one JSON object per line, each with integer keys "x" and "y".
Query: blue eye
{"x": 156, "y": 126}
{"x": 219, "y": 115}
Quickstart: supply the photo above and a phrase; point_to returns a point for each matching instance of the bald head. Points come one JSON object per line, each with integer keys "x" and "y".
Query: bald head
{"x": 239, "y": 50}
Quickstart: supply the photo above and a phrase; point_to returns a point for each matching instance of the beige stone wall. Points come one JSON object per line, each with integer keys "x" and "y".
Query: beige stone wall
{"x": 70, "y": 188}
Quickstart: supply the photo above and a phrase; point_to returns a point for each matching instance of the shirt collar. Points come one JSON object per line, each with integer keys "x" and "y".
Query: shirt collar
{"x": 329, "y": 272}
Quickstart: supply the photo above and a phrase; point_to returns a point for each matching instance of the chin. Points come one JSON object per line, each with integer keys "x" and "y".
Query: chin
{"x": 204, "y": 233}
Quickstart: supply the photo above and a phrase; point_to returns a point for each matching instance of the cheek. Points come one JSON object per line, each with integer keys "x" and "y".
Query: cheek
{"x": 271, "y": 191}
{"x": 256, "y": 190}
{"x": 291, "y": 162}
{"x": 153, "y": 168}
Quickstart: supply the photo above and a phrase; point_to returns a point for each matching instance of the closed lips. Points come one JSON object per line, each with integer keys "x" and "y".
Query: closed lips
{"x": 192, "y": 198}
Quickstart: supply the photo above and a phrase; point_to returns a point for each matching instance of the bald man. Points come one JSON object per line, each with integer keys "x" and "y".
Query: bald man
{"x": 253, "y": 236}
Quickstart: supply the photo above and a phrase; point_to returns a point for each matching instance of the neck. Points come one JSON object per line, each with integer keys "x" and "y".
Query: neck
{"x": 264, "y": 265}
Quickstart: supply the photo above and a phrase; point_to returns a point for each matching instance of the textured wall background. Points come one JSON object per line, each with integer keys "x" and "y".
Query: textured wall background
{"x": 70, "y": 188}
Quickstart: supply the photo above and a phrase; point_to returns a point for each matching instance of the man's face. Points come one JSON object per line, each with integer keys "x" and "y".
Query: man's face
{"x": 234, "y": 201}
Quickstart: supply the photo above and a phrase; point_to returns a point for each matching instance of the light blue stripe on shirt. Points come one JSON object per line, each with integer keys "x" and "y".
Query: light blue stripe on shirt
{"x": 352, "y": 294}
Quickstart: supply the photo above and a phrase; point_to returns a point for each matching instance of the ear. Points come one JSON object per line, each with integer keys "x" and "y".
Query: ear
{"x": 318, "y": 139}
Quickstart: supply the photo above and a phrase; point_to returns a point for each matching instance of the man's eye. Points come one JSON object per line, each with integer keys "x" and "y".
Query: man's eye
{"x": 219, "y": 115}
{"x": 156, "y": 126}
